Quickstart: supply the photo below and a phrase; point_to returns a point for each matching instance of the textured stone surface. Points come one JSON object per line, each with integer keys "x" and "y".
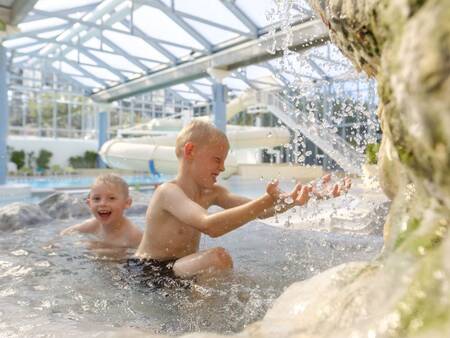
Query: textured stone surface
{"x": 61, "y": 205}
{"x": 19, "y": 215}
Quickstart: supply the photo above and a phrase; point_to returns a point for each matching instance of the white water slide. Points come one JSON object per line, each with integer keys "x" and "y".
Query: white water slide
{"x": 157, "y": 153}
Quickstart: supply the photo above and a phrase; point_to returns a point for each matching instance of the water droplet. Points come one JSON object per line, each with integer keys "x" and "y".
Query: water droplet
{"x": 289, "y": 200}
{"x": 19, "y": 252}
{"x": 438, "y": 274}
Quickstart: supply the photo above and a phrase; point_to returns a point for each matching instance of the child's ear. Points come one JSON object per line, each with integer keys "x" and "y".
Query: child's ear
{"x": 188, "y": 149}
{"x": 128, "y": 203}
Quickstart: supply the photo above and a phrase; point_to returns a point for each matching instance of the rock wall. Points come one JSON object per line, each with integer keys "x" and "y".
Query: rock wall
{"x": 405, "y": 45}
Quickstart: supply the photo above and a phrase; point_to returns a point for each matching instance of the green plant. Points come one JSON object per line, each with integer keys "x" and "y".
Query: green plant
{"x": 26, "y": 171}
{"x": 56, "y": 169}
{"x": 88, "y": 160}
{"x": 18, "y": 157}
{"x": 372, "y": 153}
{"x": 68, "y": 170}
{"x": 43, "y": 159}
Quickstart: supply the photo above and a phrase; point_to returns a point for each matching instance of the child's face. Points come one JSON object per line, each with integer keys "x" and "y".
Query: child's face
{"x": 209, "y": 162}
{"x": 107, "y": 203}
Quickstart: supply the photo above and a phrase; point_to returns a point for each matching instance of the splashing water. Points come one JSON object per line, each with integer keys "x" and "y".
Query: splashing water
{"x": 322, "y": 89}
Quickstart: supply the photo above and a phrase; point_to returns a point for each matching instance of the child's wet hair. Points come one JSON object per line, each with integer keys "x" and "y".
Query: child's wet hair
{"x": 113, "y": 180}
{"x": 199, "y": 132}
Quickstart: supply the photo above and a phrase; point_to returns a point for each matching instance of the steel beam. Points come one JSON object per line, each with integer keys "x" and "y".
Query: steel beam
{"x": 219, "y": 92}
{"x": 305, "y": 35}
{"x": 4, "y": 116}
{"x": 179, "y": 21}
{"x": 230, "y": 4}
{"x": 102, "y": 134}
{"x": 20, "y": 9}
{"x": 102, "y": 9}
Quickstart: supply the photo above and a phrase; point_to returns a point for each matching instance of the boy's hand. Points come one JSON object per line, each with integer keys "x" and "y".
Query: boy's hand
{"x": 299, "y": 195}
{"x": 273, "y": 190}
{"x": 321, "y": 189}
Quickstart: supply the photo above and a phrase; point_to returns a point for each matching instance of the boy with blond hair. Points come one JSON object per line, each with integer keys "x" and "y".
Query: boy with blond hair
{"x": 114, "y": 233}
{"x": 177, "y": 213}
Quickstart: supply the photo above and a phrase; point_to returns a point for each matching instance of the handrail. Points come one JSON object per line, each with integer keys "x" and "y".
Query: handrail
{"x": 331, "y": 143}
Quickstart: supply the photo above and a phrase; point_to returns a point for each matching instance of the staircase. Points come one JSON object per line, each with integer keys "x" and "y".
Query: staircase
{"x": 332, "y": 144}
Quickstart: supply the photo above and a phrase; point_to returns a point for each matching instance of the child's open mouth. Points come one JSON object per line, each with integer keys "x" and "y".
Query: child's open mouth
{"x": 104, "y": 214}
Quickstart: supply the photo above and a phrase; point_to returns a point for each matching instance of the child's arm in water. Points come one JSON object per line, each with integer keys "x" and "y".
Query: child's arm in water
{"x": 173, "y": 200}
{"x": 87, "y": 227}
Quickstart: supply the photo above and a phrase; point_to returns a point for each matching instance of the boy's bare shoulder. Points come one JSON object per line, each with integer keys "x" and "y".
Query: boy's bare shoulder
{"x": 167, "y": 187}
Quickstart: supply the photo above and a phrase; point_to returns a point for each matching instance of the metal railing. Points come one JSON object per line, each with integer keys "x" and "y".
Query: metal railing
{"x": 331, "y": 143}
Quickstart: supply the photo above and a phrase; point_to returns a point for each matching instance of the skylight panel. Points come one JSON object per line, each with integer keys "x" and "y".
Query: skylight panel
{"x": 302, "y": 10}
{"x": 77, "y": 15}
{"x": 43, "y": 23}
{"x": 118, "y": 61}
{"x": 177, "y": 51}
{"x": 135, "y": 46}
{"x": 192, "y": 96}
{"x": 256, "y": 10}
{"x": 298, "y": 67}
{"x": 66, "y": 68}
{"x": 256, "y": 72}
{"x": 150, "y": 64}
{"x": 16, "y": 43}
{"x": 204, "y": 89}
{"x": 121, "y": 27}
{"x": 181, "y": 87}
{"x": 20, "y": 58}
{"x": 51, "y": 34}
{"x": 95, "y": 43}
{"x": 203, "y": 81}
{"x": 88, "y": 82}
{"x": 79, "y": 56}
{"x": 30, "y": 49}
{"x": 235, "y": 83}
{"x": 155, "y": 23}
{"x": 212, "y": 34}
{"x": 101, "y": 73}
{"x": 52, "y": 5}
{"x": 334, "y": 69}
{"x": 212, "y": 10}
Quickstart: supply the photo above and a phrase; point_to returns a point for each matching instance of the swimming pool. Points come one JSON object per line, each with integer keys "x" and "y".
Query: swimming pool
{"x": 50, "y": 285}
{"x": 46, "y": 287}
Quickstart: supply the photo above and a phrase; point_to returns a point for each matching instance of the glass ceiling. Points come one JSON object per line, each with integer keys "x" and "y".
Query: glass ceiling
{"x": 100, "y": 44}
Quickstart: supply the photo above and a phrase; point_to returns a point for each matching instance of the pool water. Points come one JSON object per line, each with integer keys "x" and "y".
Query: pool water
{"x": 44, "y": 284}
{"x": 50, "y": 284}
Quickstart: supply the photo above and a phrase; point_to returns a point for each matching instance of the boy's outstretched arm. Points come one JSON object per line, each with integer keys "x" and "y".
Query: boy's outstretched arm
{"x": 176, "y": 202}
{"x": 89, "y": 226}
{"x": 283, "y": 201}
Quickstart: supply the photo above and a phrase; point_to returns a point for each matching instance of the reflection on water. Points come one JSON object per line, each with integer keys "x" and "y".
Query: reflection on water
{"x": 46, "y": 285}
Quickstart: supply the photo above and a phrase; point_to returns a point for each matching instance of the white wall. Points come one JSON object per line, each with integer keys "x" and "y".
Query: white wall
{"x": 62, "y": 148}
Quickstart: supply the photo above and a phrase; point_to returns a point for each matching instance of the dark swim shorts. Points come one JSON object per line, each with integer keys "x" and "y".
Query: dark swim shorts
{"x": 155, "y": 274}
